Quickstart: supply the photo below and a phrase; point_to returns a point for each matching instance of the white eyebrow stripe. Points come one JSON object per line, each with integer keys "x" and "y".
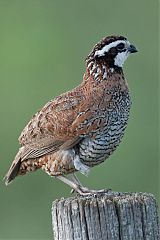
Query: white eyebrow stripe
{"x": 106, "y": 48}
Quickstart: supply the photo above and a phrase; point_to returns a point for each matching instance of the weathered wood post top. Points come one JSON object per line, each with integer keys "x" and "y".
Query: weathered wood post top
{"x": 107, "y": 216}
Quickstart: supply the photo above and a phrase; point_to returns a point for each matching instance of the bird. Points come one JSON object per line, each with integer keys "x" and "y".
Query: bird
{"x": 81, "y": 128}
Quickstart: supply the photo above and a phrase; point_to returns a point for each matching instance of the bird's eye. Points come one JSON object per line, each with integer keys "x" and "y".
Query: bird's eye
{"x": 120, "y": 46}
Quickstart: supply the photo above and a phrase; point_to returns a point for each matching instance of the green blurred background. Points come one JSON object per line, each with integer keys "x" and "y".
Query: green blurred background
{"x": 43, "y": 44}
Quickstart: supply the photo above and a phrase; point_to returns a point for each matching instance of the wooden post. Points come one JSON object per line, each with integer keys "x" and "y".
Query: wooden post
{"x": 109, "y": 216}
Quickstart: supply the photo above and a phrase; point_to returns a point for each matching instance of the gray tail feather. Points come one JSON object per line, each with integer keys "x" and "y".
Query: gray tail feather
{"x": 13, "y": 171}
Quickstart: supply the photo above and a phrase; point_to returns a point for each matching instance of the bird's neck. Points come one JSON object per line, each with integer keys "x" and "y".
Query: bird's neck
{"x": 101, "y": 71}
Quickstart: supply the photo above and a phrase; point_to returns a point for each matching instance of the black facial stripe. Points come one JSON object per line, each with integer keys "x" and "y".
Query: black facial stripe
{"x": 123, "y": 50}
{"x": 120, "y": 45}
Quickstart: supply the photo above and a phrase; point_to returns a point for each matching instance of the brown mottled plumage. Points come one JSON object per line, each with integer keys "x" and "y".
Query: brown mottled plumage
{"x": 81, "y": 128}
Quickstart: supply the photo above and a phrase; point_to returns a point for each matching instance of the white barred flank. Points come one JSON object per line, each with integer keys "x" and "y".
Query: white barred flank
{"x": 93, "y": 151}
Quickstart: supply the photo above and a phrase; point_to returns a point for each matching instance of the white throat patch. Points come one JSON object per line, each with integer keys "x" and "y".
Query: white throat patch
{"x": 121, "y": 58}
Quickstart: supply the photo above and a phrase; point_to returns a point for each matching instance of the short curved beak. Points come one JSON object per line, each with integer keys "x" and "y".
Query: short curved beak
{"x": 132, "y": 49}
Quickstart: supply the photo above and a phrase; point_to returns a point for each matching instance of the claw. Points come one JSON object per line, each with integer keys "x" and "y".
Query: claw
{"x": 72, "y": 191}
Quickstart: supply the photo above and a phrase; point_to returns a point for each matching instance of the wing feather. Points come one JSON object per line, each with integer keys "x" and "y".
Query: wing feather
{"x": 62, "y": 122}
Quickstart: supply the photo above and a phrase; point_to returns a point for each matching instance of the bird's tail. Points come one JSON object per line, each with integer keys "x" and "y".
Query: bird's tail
{"x": 14, "y": 169}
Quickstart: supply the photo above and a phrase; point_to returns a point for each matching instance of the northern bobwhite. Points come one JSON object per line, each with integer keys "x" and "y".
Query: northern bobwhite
{"x": 81, "y": 128}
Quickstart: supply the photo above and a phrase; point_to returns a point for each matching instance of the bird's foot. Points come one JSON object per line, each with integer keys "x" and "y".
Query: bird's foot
{"x": 83, "y": 191}
{"x": 77, "y": 187}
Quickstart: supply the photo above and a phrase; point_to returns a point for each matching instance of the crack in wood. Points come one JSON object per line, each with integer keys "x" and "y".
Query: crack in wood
{"x": 108, "y": 216}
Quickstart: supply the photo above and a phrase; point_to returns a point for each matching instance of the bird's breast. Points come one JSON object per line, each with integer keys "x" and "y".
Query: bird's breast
{"x": 96, "y": 147}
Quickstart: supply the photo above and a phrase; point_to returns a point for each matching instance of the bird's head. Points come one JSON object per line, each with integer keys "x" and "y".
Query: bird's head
{"x": 113, "y": 50}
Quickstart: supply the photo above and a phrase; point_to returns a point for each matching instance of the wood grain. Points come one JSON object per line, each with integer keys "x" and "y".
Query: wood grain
{"x": 109, "y": 216}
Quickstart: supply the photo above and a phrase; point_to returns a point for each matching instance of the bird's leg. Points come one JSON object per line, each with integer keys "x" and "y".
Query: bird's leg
{"x": 73, "y": 184}
{"x": 75, "y": 180}
{"x": 85, "y": 189}
{"x": 77, "y": 187}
